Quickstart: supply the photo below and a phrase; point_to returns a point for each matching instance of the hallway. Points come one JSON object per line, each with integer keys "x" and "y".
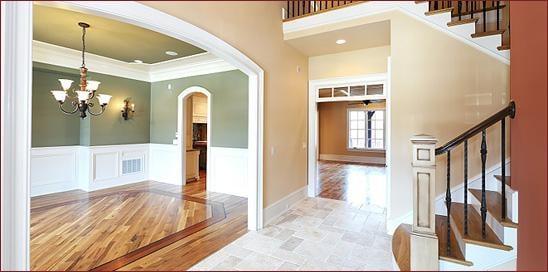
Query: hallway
{"x": 316, "y": 234}
{"x": 358, "y": 184}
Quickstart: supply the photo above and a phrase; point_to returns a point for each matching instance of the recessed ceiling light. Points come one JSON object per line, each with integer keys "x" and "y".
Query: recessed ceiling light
{"x": 171, "y": 53}
{"x": 137, "y": 61}
{"x": 340, "y": 41}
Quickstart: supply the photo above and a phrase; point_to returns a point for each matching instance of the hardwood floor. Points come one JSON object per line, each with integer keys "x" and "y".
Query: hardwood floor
{"x": 142, "y": 226}
{"x": 356, "y": 183}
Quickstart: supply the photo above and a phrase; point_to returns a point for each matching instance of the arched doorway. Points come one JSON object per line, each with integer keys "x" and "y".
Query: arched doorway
{"x": 182, "y": 129}
{"x": 17, "y": 28}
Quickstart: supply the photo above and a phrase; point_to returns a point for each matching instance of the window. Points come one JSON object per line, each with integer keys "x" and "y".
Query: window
{"x": 366, "y": 129}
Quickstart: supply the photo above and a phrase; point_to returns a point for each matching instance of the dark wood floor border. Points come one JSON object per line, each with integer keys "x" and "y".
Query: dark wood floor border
{"x": 218, "y": 214}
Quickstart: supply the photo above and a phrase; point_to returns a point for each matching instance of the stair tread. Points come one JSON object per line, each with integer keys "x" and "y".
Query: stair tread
{"x": 455, "y": 254}
{"x": 438, "y": 11}
{"x": 487, "y": 33}
{"x": 502, "y": 48}
{"x": 507, "y": 179}
{"x": 462, "y": 22}
{"x": 479, "y": 11}
{"x": 494, "y": 201}
{"x": 401, "y": 246}
{"x": 474, "y": 228}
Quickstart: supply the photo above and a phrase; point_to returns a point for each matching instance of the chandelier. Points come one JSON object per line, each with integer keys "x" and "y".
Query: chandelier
{"x": 82, "y": 102}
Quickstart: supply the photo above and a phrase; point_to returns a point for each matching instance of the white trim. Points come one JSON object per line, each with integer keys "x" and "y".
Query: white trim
{"x": 369, "y": 8}
{"x": 65, "y": 57}
{"x": 277, "y": 208}
{"x": 199, "y": 64}
{"x": 313, "y": 127}
{"x": 16, "y": 125}
{"x": 16, "y": 99}
{"x": 181, "y": 131}
{"x": 355, "y": 159}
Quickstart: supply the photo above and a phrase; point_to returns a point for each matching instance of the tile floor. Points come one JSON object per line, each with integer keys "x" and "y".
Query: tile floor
{"x": 316, "y": 234}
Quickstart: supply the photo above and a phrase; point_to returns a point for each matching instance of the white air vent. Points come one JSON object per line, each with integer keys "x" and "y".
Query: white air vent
{"x": 131, "y": 166}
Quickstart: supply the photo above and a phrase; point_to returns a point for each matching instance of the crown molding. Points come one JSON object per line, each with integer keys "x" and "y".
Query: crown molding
{"x": 200, "y": 64}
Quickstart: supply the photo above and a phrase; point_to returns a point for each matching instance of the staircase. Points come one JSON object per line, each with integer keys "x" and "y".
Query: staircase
{"x": 487, "y": 23}
{"x": 477, "y": 228}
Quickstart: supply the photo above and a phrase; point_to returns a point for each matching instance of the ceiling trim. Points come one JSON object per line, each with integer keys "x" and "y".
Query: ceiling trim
{"x": 199, "y": 64}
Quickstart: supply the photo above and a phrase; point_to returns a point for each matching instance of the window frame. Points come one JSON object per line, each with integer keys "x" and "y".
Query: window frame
{"x": 365, "y": 149}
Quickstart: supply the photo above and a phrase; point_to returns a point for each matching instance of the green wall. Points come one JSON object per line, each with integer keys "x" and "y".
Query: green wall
{"x": 50, "y": 127}
{"x": 229, "y": 104}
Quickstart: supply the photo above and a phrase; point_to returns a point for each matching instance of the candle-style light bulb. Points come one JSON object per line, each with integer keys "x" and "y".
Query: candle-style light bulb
{"x": 132, "y": 107}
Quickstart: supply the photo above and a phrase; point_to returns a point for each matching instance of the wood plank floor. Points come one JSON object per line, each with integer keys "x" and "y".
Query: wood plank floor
{"x": 359, "y": 184}
{"x": 142, "y": 226}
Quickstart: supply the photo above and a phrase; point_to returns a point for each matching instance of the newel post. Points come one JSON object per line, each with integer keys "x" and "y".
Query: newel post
{"x": 424, "y": 242}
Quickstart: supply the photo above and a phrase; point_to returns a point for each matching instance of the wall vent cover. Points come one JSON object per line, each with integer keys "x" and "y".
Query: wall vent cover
{"x": 131, "y": 166}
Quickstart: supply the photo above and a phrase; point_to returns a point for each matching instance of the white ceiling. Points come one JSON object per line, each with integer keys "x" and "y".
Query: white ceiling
{"x": 358, "y": 37}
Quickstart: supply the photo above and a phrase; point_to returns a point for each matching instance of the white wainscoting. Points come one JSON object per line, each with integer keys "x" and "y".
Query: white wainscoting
{"x": 63, "y": 168}
{"x": 357, "y": 159}
{"x": 106, "y": 165}
{"x": 163, "y": 163}
{"x": 57, "y": 169}
{"x": 228, "y": 173}
{"x": 54, "y": 169}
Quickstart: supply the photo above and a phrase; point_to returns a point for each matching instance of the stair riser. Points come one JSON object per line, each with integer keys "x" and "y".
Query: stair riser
{"x": 440, "y": 19}
{"x": 491, "y": 221}
{"x": 485, "y": 257}
{"x": 463, "y": 30}
{"x": 492, "y": 41}
{"x": 511, "y": 202}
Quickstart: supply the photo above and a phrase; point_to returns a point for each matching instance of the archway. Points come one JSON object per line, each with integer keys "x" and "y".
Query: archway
{"x": 16, "y": 83}
{"x": 181, "y": 130}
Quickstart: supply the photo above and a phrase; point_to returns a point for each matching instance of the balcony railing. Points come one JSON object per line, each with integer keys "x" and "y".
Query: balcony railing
{"x": 298, "y": 9}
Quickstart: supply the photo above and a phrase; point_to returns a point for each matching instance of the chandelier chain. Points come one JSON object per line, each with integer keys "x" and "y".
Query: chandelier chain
{"x": 83, "y": 46}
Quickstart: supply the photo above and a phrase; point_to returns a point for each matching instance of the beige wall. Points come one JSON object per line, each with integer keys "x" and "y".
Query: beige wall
{"x": 333, "y": 135}
{"x": 440, "y": 86}
{"x": 351, "y": 63}
{"x": 255, "y": 28}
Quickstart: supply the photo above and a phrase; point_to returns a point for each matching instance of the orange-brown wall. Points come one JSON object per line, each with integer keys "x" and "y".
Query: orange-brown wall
{"x": 332, "y": 129}
{"x": 528, "y": 89}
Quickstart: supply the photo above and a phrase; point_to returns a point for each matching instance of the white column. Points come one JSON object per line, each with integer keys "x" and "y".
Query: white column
{"x": 424, "y": 242}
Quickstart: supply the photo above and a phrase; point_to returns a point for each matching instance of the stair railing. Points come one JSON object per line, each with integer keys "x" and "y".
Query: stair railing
{"x": 300, "y": 8}
{"x": 508, "y": 111}
{"x": 473, "y": 9}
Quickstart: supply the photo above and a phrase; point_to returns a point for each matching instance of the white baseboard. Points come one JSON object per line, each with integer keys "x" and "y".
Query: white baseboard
{"x": 355, "y": 159}
{"x": 279, "y": 207}
{"x": 392, "y": 224}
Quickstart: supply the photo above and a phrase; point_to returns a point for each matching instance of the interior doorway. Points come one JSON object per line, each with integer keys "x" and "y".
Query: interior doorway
{"x": 194, "y": 133}
{"x": 349, "y": 140}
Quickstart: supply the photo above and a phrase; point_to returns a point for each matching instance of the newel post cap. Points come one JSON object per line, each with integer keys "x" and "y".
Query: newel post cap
{"x": 424, "y": 139}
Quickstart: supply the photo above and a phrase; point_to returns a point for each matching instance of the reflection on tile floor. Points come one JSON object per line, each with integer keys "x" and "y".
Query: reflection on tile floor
{"x": 316, "y": 234}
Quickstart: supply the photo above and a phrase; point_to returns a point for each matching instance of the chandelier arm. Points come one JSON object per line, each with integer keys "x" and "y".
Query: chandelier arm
{"x": 96, "y": 113}
{"x": 73, "y": 111}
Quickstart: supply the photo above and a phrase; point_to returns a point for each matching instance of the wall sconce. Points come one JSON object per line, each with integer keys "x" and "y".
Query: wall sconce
{"x": 127, "y": 108}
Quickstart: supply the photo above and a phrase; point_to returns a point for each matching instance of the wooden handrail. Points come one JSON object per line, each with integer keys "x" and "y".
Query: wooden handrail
{"x": 509, "y": 110}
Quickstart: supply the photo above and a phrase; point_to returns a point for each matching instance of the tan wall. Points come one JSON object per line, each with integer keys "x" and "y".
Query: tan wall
{"x": 440, "y": 86}
{"x": 352, "y": 63}
{"x": 255, "y": 28}
{"x": 333, "y": 135}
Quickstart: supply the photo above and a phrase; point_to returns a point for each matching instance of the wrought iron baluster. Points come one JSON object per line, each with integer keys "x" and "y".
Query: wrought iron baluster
{"x": 448, "y": 202}
{"x": 459, "y": 7}
{"x": 484, "y": 16}
{"x": 472, "y": 6}
{"x": 498, "y": 16}
{"x": 483, "y": 208}
{"x": 466, "y": 187}
{"x": 436, "y": 5}
{"x": 503, "y": 165}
